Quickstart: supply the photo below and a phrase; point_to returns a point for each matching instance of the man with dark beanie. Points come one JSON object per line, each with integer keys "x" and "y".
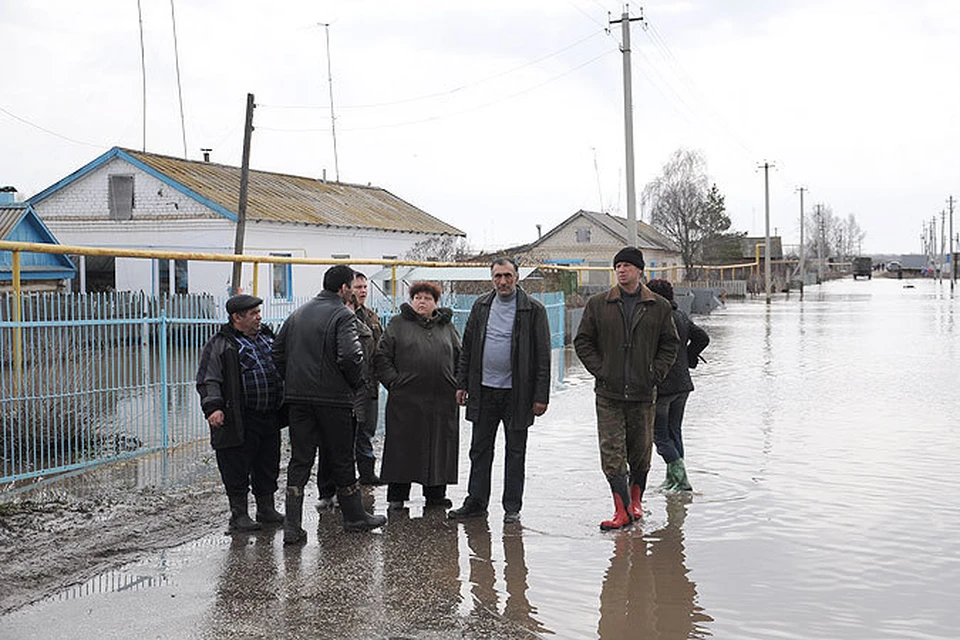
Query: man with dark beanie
{"x": 318, "y": 353}
{"x": 627, "y": 340}
{"x": 240, "y": 393}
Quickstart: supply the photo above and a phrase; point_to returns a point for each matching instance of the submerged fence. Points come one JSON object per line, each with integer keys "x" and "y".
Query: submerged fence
{"x": 92, "y": 378}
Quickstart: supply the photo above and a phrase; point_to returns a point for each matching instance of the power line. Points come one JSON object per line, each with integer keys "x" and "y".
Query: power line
{"x": 446, "y": 92}
{"x": 448, "y": 115}
{"x": 48, "y": 131}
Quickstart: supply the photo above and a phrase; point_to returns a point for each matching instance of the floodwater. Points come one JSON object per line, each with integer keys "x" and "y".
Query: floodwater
{"x": 824, "y": 460}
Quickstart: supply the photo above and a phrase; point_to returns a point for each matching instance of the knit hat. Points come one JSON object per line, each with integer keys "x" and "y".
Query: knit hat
{"x": 629, "y": 254}
{"x": 242, "y": 302}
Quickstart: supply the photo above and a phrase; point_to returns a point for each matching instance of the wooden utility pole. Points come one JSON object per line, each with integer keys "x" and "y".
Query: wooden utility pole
{"x": 242, "y": 207}
{"x": 624, "y": 22}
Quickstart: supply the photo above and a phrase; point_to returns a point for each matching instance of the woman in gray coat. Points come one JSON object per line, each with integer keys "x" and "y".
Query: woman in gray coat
{"x": 416, "y": 362}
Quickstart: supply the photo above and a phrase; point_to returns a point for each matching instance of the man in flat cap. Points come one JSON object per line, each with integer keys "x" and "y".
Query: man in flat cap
{"x": 627, "y": 340}
{"x": 240, "y": 393}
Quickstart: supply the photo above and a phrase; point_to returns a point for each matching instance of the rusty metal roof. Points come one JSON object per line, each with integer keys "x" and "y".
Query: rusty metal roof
{"x": 297, "y": 199}
{"x": 10, "y": 215}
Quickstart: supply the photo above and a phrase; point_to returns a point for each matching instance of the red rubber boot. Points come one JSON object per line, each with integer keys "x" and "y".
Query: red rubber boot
{"x": 620, "y": 518}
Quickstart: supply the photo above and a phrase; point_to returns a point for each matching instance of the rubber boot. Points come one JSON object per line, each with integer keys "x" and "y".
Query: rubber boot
{"x": 680, "y": 474}
{"x": 368, "y": 476}
{"x": 668, "y": 480}
{"x": 240, "y": 521}
{"x": 354, "y": 516}
{"x": 621, "y": 502}
{"x": 636, "y": 509}
{"x": 266, "y": 511}
{"x": 293, "y": 533}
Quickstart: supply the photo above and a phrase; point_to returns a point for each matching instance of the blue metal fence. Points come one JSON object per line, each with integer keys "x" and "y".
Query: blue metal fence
{"x": 92, "y": 378}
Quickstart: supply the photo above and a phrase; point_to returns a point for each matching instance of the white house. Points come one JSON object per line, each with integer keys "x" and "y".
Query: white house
{"x": 135, "y": 200}
{"x": 591, "y": 239}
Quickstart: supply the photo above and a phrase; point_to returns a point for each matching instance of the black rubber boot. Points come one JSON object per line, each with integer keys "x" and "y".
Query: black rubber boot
{"x": 354, "y": 516}
{"x": 368, "y": 476}
{"x": 293, "y": 533}
{"x": 266, "y": 511}
{"x": 240, "y": 521}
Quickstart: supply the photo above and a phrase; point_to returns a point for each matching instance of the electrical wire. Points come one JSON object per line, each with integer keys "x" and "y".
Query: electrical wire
{"x": 447, "y": 92}
{"x": 448, "y": 115}
{"x": 48, "y": 131}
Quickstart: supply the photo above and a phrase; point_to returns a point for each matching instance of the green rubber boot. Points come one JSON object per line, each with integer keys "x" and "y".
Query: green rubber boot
{"x": 680, "y": 473}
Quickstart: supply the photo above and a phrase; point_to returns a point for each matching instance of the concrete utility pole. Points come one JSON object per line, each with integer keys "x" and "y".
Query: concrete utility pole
{"x": 820, "y": 233}
{"x": 624, "y": 22}
{"x": 953, "y": 268}
{"x": 242, "y": 208}
{"x": 766, "y": 166}
{"x": 943, "y": 242}
{"x": 803, "y": 248}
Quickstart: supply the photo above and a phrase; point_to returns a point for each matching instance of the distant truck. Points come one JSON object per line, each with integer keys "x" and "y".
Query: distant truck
{"x": 863, "y": 266}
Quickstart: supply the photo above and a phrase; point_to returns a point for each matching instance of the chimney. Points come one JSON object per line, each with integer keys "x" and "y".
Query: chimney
{"x": 539, "y": 232}
{"x": 324, "y": 175}
{"x": 206, "y": 154}
{"x": 8, "y": 195}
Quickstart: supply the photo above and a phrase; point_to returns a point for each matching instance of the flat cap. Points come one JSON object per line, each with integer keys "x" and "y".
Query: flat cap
{"x": 242, "y": 302}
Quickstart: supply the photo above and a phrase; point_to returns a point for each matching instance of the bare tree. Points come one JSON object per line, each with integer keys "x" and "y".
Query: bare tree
{"x": 440, "y": 248}
{"x": 684, "y": 206}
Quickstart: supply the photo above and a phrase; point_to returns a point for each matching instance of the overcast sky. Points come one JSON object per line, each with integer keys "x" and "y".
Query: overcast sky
{"x": 499, "y": 115}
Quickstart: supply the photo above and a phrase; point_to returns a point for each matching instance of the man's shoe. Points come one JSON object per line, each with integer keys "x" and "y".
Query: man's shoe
{"x": 446, "y": 503}
{"x": 395, "y": 505}
{"x": 468, "y": 510}
{"x": 511, "y": 517}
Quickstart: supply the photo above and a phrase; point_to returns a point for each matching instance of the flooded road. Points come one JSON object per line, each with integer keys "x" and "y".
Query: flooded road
{"x": 822, "y": 448}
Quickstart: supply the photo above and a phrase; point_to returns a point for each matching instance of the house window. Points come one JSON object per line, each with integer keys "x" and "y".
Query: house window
{"x": 282, "y": 278}
{"x": 120, "y": 197}
{"x": 388, "y": 283}
{"x": 163, "y": 266}
{"x": 583, "y": 234}
{"x": 181, "y": 280}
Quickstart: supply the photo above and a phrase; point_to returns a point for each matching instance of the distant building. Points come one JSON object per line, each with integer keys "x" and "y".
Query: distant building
{"x": 591, "y": 239}
{"x": 38, "y": 271}
{"x": 131, "y": 199}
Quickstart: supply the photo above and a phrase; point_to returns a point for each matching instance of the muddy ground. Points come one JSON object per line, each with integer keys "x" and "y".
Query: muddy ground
{"x": 63, "y": 532}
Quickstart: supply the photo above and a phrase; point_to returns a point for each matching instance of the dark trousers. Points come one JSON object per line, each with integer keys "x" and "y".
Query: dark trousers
{"x": 256, "y": 463}
{"x": 667, "y": 434}
{"x": 400, "y": 491}
{"x": 496, "y": 406}
{"x": 329, "y": 429}
{"x": 367, "y": 428}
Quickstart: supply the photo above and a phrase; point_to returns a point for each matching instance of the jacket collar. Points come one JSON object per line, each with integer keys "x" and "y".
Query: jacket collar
{"x": 523, "y": 299}
{"x": 613, "y": 295}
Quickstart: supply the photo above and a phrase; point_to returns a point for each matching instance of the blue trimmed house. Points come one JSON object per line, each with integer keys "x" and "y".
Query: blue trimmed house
{"x": 137, "y": 200}
{"x": 38, "y": 271}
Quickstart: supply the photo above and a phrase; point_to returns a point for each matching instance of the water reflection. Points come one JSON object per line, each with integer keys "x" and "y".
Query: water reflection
{"x": 516, "y": 611}
{"x": 421, "y": 568}
{"x": 647, "y": 592}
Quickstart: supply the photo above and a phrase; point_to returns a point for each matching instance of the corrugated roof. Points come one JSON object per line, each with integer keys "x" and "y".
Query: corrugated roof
{"x": 297, "y": 199}
{"x": 9, "y": 216}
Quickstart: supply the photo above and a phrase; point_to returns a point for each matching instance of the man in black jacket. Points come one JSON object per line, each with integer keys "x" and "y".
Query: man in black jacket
{"x": 503, "y": 376}
{"x": 318, "y": 354}
{"x": 240, "y": 393}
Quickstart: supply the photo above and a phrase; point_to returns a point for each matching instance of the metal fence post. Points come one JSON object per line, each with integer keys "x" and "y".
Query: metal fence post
{"x": 164, "y": 381}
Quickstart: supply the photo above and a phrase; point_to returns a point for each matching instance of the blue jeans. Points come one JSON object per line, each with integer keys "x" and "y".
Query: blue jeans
{"x": 496, "y": 406}
{"x": 667, "y": 434}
